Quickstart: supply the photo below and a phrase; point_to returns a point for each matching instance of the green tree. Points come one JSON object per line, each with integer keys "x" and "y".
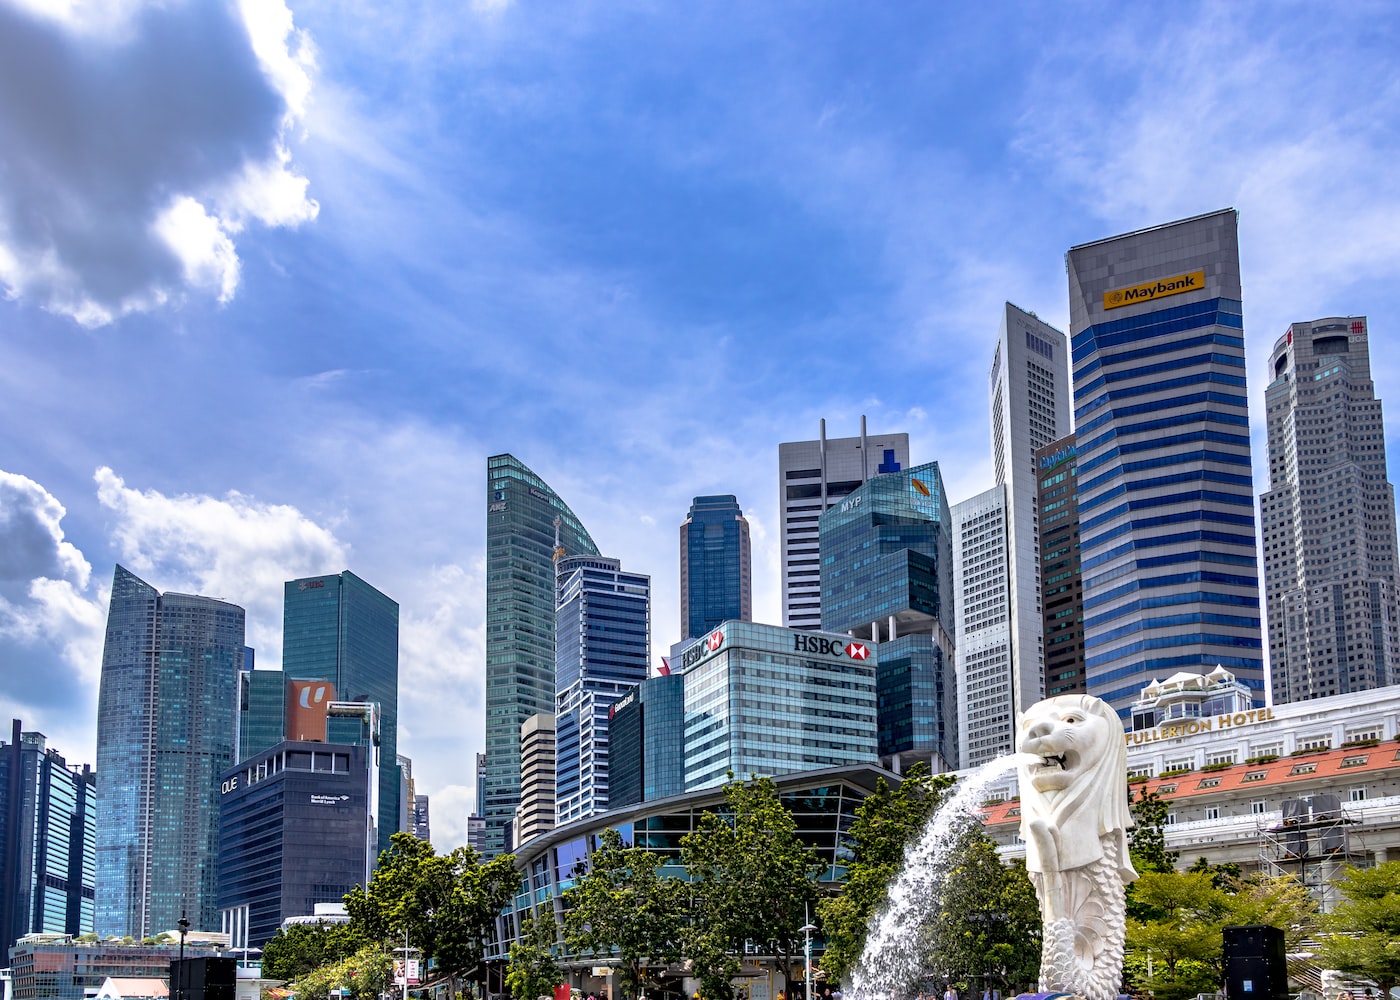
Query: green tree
{"x": 711, "y": 962}
{"x": 533, "y": 972}
{"x": 1147, "y": 840}
{"x": 884, "y": 825}
{"x": 1278, "y": 901}
{"x": 445, "y": 904}
{"x": 1363, "y": 932}
{"x": 623, "y": 909}
{"x": 987, "y": 933}
{"x": 300, "y": 948}
{"x": 1175, "y": 933}
{"x": 752, "y": 878}
{"x": 366, "y": 974}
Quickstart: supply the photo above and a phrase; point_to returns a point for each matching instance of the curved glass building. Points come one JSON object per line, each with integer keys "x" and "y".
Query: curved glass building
{"x": 521, "y": 511}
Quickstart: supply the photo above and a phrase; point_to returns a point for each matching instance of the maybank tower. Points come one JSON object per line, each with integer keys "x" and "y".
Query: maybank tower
{"x": 1165, "y": 489}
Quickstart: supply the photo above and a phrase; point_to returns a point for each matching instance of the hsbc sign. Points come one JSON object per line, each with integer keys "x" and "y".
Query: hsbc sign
{"x": 701, "y": 649}
{"x": 804, "y": 642}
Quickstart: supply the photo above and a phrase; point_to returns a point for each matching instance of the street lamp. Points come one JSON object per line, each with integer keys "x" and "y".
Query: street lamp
{"x": 184, "y": 924}
{"x": 807, "y": 930}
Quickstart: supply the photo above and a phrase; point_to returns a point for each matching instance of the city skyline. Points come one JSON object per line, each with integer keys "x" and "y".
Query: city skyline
{"x": 565, "y": 235}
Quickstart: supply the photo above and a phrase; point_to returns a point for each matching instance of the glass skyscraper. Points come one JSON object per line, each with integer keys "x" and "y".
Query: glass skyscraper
{"x": 262, "y": 711}
{"x": 602, "y": 645}
{"x": 1166, "y": 497}
{"x": 340, "y": 629}
{"x": 887, "y": 578}
{"x": 166, "y": 729}
{"x": 521, "y": 510}
{"x": 646, "y": 742}
{"x": 48, "y": 845}
{"x": 716, "y": 566}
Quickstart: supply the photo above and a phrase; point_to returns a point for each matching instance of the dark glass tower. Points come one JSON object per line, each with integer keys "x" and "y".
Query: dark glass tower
{"x": 716, "y": 566}
{"x": 520, "y": 606}
{"x": 340, "y": 629}
{"x": 262, "y": 711}
{"x": 48, "y": 845}
{"x": 166, "y": 729}
{"x": 646, "y": 742}
{"x": 887, "y": 577}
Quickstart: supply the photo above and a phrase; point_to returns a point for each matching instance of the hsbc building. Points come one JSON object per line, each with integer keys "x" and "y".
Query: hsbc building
{"x": 762, "y": 699}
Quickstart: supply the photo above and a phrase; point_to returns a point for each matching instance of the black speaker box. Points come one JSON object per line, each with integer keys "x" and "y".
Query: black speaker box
{"x": 1255, "y": 965}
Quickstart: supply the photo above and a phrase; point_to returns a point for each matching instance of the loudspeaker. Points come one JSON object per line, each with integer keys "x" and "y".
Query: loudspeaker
{"x": 203, "y": 978}
{"x": 1255, "y": 965}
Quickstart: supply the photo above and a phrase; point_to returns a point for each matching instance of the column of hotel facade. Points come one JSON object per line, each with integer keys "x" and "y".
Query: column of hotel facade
{"x": 1165, "y": 486}
{"x": 985, "y": 717}
{"x": 1030, "y": 403}
{"x": 812, "y": 476}
{"x": 1328, "y": 517}
{"x": 521, "y": 601}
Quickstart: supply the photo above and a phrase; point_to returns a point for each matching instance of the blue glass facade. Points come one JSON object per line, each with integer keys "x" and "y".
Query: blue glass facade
{"x": 48, "y": 846}
{"x": 262, "y": 711}
{"x": 1164, "y": 467}
{"x": 166, "y": 729}
{"x": 887, "y": 577}
{"x": 646, "y": 739}
{"x": 293, "y": 832}
{"x": 521, "y": 603}
{"x": 340, "y": 629}
{"x": 716, "y": 566}
{"x": 602, "y": 645}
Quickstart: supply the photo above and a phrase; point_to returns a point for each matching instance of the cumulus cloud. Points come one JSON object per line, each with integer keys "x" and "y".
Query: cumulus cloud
{"x": 138, "y": 141}
{"x": 235, "y": 548}
{"x": 31, "y": 536}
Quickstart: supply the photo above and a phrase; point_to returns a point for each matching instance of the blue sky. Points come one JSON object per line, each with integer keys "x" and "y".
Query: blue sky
{"x": 279, "y": 278}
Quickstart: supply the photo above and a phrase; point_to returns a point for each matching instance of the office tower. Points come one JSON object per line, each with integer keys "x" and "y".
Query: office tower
{"x": 888, "y": 579}
{"x": 765, "y": 700}
{"x": 1171, "y": 580}
{"x": 1030, "y": 400}
{"x": 716, "y": 566}
{"x": 535, "y": 814}
{"x": 602, "y": 644}
{"x": 813, "y": 475}
{"x": 1061, "y": 582}
{"x": 1329, "y": 517}
{"x": 981, "y": 562}
{"x": 407, "y": 793}
{"x": 292, "y": 833}
{"x": 520, "y": 608}
{"x": 262, "y": 711}
{"x": 48, "y": 841}
{"x": 421, "y": 827}
{"x": 166, "y": 728}
{"x": 646, "y": 742}
{"x": 476, "y": 833}
{"x": 339, "y": 629}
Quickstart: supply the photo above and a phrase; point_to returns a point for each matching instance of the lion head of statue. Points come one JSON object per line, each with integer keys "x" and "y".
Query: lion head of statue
{"x": 1077, "y": 783}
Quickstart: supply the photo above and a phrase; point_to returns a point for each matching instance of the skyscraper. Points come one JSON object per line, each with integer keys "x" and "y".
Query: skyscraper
{"x": 262, "y": 711}
{"x": 646, "y": 742}
{"x": 1030, "y": 402}
{"x": 716, "y": 566}
{"x": 535, "y": 814}
{"x": 887, "y": 578}
{"x": 812, "y": 476}
{"x": 520, "y": 610}
{"x": 48, "y": 841}
{"x": 1061, "y": 582}
{"x": 337, "y": 628}
{"x": 986, "y": 720}
{"x": 602, "y": 645}
{"x": 1171, "y": 579}
{"x": 1329, "y": 517}
{"x": 166, "y": 729}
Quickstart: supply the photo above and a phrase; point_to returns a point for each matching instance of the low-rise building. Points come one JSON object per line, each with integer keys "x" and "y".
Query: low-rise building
{"x": 59, "y": 967}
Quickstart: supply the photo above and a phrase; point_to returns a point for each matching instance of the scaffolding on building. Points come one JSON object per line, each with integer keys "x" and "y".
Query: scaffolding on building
{"x": 1315, "y": 839}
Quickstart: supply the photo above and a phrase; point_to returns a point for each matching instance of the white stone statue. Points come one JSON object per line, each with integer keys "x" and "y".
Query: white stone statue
{"x": 1074, "y": 820}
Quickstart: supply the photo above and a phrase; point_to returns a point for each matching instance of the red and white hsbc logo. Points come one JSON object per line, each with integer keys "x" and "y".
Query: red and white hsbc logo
{"x": 702, "y": 648}
{"x": 715, "y": 641}
{"x": 804, "y": 642}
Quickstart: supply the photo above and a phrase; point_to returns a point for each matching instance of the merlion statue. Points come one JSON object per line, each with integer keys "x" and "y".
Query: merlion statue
{"x": 1074, "y": 820}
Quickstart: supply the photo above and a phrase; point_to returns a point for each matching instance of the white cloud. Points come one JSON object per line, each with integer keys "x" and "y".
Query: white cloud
{"x": 236, "y": 548}
{"x": 31, "y": 535}
{"x": 139, "y": 139}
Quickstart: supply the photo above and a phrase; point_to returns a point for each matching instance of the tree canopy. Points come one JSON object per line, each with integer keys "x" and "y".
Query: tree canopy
{"x": 302, "y": 948}
{"x": 445, "y": 904}
{"x": 623, "y": 910}
{"x": 533, "y": 972}
{"x": 1363, "y": 938}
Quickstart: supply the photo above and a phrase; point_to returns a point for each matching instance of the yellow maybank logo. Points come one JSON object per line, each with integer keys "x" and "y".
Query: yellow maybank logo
{"x": 1146, "y": 292}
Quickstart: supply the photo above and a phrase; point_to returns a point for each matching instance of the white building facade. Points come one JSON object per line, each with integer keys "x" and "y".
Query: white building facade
{"x": 986, "y": 721}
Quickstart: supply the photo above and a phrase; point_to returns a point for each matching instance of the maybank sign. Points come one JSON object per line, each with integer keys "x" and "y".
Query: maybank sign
{"x": 1192, "y": 281}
